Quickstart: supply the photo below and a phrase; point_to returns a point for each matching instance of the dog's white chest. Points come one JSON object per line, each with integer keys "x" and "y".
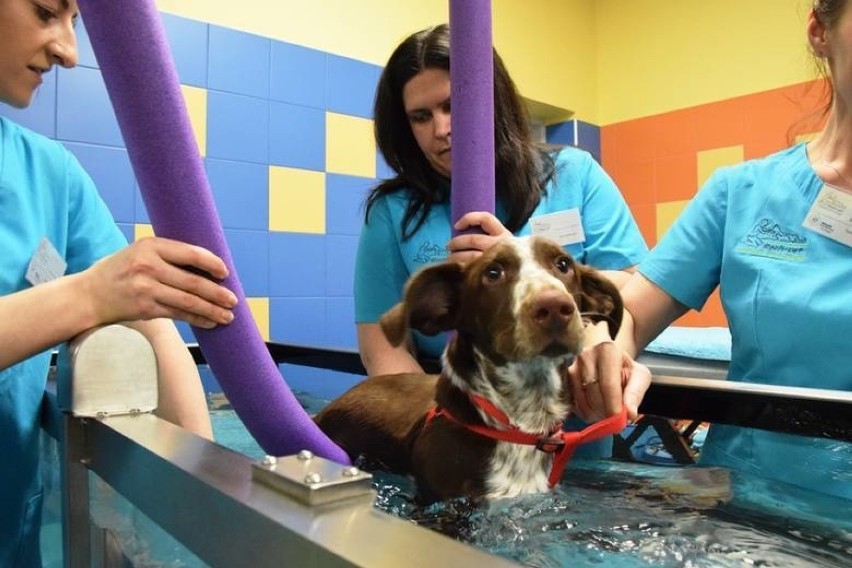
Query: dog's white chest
{"x": 517, "y": 469}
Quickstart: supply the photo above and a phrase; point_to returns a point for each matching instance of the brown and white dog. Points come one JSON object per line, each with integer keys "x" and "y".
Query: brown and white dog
{"x": 489, "y": 425}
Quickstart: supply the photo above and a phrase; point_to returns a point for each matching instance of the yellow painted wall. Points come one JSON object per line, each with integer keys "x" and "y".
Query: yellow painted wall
{"x": 548, "y": 45}
{"x": 656, "y": 56}
{"x": 549, "y": 48}
{"x": 366, "y": 30}
{"x": 604, "y": 61}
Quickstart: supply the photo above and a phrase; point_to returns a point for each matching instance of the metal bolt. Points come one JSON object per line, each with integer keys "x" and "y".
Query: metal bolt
{"x": 305, "y": 455}
{"x": 313, "y": 478}
{"x": 351, "y": 471}
{"x": 269, "y": 461}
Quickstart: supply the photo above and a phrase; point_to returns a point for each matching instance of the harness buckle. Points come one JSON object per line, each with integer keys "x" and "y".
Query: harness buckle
{"x": 550, "y": 445}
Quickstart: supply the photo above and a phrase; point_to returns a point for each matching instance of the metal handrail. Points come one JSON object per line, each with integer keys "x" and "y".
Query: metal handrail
{"x": 207, "y": 497}
{"x": 222, "y": 506}
{"x": 674, "y": 393}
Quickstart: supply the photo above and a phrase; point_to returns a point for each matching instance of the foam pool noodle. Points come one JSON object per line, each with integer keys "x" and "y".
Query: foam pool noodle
{"x": 131, "y": 49}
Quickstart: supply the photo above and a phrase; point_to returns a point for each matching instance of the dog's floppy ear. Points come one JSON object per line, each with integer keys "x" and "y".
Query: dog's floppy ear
{"x": 598, "y": 295}
{"x": 429, "y": 304}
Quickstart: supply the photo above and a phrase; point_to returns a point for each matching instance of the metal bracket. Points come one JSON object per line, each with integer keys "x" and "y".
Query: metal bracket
{"x": 312, "y": 480}
{"x": 107, "y": 371}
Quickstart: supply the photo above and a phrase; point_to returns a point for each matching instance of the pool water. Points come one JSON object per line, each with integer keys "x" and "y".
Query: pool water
{"x": 610, "y": 513}
{"x": 603, "y": 513}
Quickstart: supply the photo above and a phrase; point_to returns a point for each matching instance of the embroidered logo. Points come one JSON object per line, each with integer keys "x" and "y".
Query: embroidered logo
{"x": 429, "y": 253}
{"x": 769, "y": 240}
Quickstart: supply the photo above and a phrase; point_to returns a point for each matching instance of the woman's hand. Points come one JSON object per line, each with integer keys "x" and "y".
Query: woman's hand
{"x": 158, "y": 277}
{"x": 465, "y": 248}
{"x": 603, "y": 378}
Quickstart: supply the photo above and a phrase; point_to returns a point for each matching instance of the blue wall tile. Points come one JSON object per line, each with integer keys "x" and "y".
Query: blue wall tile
{"x": 340, "y": 264}
{"x": 110, "y": 169}
{"x": 241, "y": 191}
{"x": 383, "y": 170}
{"x": 345, "y": 197}
{"x": 85, "y": 53}
{"x": 237, "y": 127}
{"x": 40, "y": 116}
{"x": 296, "y": 136}
{"x": 351, "y": 86}
{"x": 296, "y": 264}
{"x": 561, "y": 133}
{"x": 186, "y": 333}
{"x": 576, "y": 133}
{"x": 139, "y": 209}
{"x": 340, "y": 323}
{"x": 250, "y": 251}
{"x": 127, "y": 230}
{"x": 84, "y": 112}
{"x": 297, "y": 75}
{"x": 589, "y": 138}
{"x": 238, "y": 62}
{"x": 188, "y": 44}
{"x": 299, "y": 321}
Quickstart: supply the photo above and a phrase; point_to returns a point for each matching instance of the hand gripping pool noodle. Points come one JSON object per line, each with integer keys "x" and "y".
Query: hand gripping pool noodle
{"x": 131, "y": 48}
{"x": 472, "y": 75}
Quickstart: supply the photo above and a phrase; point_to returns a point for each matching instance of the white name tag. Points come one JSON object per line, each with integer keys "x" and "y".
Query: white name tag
{"x": 45, "y": 265}
{"x": 831, "y": 215}
{"x": 564, "y": 227}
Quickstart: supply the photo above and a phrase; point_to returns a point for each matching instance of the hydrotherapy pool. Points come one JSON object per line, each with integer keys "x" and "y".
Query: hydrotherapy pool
{"x": 603, "y": 513}
{"x": 612, "y": 513}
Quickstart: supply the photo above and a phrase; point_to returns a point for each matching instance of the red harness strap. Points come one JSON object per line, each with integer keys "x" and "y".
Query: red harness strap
{"x": 559, "y": 443}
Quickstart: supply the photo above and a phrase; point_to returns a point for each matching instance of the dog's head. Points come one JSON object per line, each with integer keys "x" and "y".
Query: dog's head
{"x": 522, "y": 298}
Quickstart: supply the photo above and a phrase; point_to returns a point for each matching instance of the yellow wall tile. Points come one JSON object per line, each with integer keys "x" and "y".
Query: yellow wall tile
{"x": 142, "y": 230}
{"x": 350, "y": 147}
{"x": 710, "y": 160}
{"x": 196, "y": 106}
{"x": 296, "y": 200}
{"x": 260, "y": 311}
{"x": 666, "y": 214}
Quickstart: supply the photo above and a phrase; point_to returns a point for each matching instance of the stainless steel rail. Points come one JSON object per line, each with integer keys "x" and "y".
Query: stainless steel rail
{"x": 682, "y": 388}
{"x": 207, "y": 497}
{"x": 204, "y": 495}
{"x": 816, "y": 413}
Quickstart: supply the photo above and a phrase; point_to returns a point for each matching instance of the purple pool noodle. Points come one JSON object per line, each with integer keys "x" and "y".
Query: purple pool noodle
{"x": 472, "y": 75}
{"x": 131, "y": 49}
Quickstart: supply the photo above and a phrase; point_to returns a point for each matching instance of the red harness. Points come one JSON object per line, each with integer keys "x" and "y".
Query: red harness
{"x": 559, "y": 442}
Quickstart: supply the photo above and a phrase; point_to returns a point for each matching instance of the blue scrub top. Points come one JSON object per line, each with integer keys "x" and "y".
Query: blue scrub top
{"x": 787, "y": 294}
{"x": 44, "y": 193}
{"x": 385, "y": 261}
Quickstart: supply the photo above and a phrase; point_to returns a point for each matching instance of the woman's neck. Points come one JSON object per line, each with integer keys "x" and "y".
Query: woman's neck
{"x": 830, "y": 152}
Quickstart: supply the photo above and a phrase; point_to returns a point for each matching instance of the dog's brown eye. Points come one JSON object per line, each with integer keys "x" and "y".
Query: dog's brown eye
{"x": 493, "y": 272}
{"x": 563, "y": 264}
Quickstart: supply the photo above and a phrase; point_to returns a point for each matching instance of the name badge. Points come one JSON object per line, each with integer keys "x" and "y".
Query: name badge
{"x": 564, "y": 227}
{"x": 831, "y": 215}
{"x": 45, "y": 265}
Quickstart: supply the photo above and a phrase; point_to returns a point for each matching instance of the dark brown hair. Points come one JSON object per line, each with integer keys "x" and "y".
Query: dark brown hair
{"x": 522, "y": 169}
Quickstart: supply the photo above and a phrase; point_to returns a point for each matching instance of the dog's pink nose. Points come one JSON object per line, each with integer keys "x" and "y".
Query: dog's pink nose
{"x": 552, "y": 309}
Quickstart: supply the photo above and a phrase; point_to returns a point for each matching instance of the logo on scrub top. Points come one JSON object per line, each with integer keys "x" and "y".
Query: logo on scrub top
{"x": 769, "y": 240}
{"x": 429, "y": 253}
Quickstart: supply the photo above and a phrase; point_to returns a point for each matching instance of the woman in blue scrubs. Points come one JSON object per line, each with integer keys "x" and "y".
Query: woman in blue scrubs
{"x": 775, "y": 234}
{"x": 408, "y": 223}
{"x": 65, "y": 267}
